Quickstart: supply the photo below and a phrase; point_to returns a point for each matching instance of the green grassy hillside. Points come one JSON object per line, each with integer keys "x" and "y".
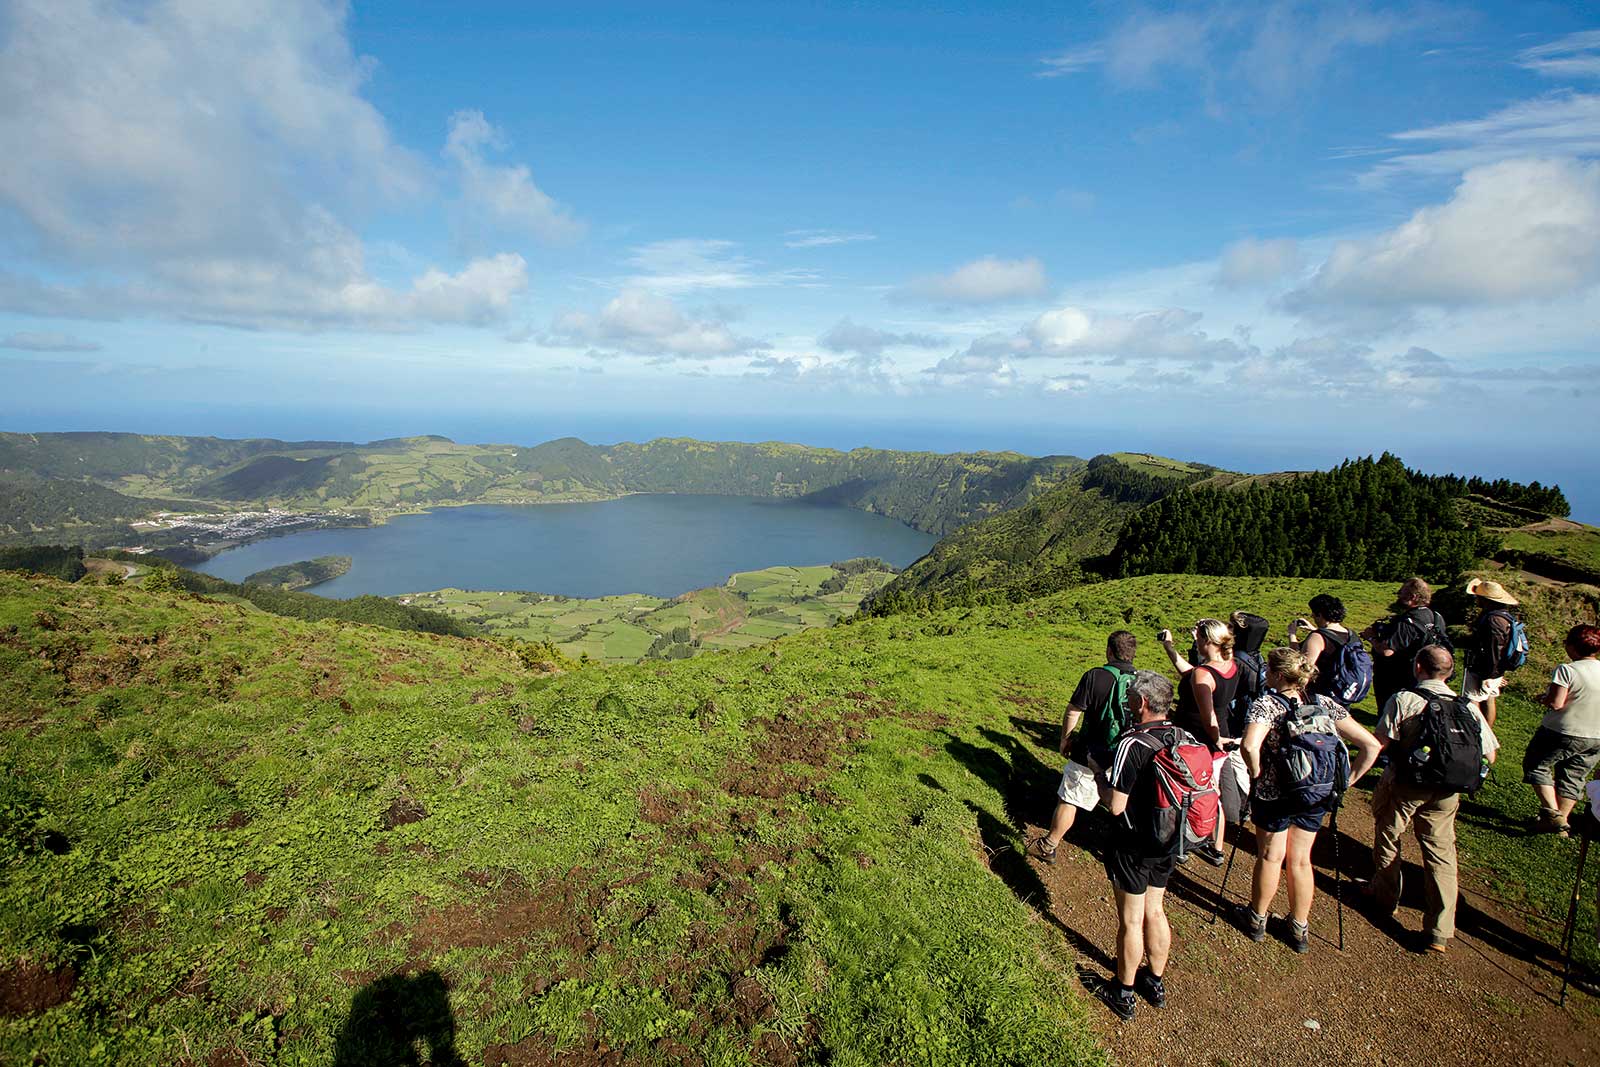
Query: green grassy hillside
{"x": 1038, "y": 547}
{"x": 302, "y": 575}
{"x": 229, "y": 837}
{"x": 935, "y": 493}
{"x": 752, "y": 608}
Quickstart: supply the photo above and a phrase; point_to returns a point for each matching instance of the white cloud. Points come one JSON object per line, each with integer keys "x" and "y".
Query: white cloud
{"x": 1250, "y": 263}
{"x": 849, "y": 336}
{"x": 1576, "y": 55}
{"x": 207, "y": 161}
{"x": 861, "y": 373}
{"x": 1559, "y": 124}
{"x": 824, "y": 238}
{"x": 496, "y": 198}
{"x": 1516, "y": 230}
{"x": 648, "y": 324}
{"x": 1166, "y": 335}
{"x": 689, "y": 263}
{"x": 974, "y": 370}
{"x": 48, "y": 342}
{"x": 1274, "y": 49}
{"x": 983, "y": 281}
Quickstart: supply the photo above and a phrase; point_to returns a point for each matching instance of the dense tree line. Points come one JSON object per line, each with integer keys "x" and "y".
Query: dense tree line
{"x": 1119, "y": 481}
{"x": 53, "y": 561}
{"x": 34, "y": 510}
{"x": 1365, "y": 519}
{"x": 1546, "y": 500}
{"x": 843, "y": 570}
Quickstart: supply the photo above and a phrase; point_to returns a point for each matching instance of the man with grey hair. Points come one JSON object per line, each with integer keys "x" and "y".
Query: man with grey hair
{"x": 1138, "y": 862}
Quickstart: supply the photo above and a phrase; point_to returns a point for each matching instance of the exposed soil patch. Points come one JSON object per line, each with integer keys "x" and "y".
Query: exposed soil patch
{"x": 237, "y": 821}
{"x": 1490, "y": 999}
{"x": 27, "y": 988}
{"x": 559, "y": 912}
{"x": 403, "y": 810}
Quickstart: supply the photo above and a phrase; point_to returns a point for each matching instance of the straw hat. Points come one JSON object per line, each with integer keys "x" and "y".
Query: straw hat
{"x": 1490, "y": 591}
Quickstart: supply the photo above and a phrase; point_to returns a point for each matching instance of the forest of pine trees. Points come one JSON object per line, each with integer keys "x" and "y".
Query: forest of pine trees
{"x": 1365, "y": 519}
{"x": 1117, "y": 481}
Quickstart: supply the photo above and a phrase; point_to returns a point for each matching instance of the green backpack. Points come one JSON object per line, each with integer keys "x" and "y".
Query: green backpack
{"x": 1113, "y": 714}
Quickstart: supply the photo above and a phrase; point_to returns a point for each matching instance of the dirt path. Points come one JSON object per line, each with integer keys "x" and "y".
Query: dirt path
{"x": 1490, "y": 1000}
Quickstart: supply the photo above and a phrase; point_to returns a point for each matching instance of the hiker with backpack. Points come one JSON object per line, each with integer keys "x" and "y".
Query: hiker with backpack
{"x": 1439, "y": 748}
{"x": 1343, "y": 667}
{"x": 1205, "y": 695}
{"x": 1397, "y": 639}
{"x": 1566, "y": 747}
{"x": 1100, "y": 705}
{"x": 1233, "y": 781}
{"x": 1499, "y": 645}
{"x": 1163, "y": 804}
{"x": 1294, "y": 746}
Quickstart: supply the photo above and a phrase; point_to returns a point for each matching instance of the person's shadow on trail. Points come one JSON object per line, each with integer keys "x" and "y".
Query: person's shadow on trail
{"x": 399, "y": 1021}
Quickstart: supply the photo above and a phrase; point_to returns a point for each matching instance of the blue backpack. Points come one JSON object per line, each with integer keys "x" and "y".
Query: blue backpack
{"x": 1516, "y": 653}
{"x": 1313, "y": 765}
{"x": 1352, "y": 673}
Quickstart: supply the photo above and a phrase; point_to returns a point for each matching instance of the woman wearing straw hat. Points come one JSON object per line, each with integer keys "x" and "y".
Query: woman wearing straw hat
{"x": 1566, "y": 747}
{"x": 1491, "y": 637}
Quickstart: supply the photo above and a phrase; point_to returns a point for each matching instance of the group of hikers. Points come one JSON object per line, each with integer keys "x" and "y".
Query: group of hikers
{"x": 1266, "y": 737}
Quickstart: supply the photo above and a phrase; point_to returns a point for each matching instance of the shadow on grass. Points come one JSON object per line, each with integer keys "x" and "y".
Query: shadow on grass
{"x": 400, "y": 1021}
{"x": 1044, "y": 734}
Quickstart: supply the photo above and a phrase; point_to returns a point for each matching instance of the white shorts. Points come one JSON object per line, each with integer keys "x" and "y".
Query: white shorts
{"x": 1080, "y": 786}
{"x": 1478, "y": 689}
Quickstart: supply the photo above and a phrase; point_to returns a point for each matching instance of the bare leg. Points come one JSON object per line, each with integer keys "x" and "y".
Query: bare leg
{"x": 1060, "y": 823}
{"x": 1157, "y": 934}
{"x": 1489, "y": 710}
{"x": 1130, "y": 934}
{"x": 1301, "y": 882}
{"x": 1270, "y": 849}
{"x": 1565, "y": 806}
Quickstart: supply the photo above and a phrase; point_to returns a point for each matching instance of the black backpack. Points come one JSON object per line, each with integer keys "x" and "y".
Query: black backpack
{"x": 1433, "y": 633}
{"x": 1252, "y": 683}
{"x": 1447, "y": 754}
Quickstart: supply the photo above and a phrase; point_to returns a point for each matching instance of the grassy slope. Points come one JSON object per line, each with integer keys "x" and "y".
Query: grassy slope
{"x": 778, "y": 845}
{"x": 754, "y": 607}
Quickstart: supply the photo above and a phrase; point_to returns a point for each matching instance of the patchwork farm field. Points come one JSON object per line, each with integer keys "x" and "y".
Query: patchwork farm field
{"x": 753, "y": 607}
{"x": 234, "y": 838}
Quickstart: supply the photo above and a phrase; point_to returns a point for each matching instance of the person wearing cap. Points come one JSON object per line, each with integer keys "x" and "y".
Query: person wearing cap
{"x": 1566, "y": 747}
{"x": 1491, "y": 636}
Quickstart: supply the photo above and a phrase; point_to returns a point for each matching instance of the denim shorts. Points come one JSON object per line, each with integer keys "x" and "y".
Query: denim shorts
{"x": 1276, "y": 816}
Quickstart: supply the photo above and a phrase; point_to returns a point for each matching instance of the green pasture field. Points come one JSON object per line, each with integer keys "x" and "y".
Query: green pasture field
{"x": 1575, "y": 545}
{"x": 621, "y": 629}
{"x": 232, "y": 834}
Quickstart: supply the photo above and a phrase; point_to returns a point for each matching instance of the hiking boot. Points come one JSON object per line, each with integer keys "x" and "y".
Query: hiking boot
{"x": 1550, "y": 822}
{"x": 1253, "y": 925}
{"x": 1042, "y": 850}
{"x": 1150, "y": 987}
{"x": 1181, "y": 858}
{"x": 1211, "y": 854}
{"x": 1297, "y": 935}
{"x": 1120, "y": 1001}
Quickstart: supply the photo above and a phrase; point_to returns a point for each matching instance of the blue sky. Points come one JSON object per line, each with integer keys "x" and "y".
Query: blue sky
{"x": 1264, "y": 234}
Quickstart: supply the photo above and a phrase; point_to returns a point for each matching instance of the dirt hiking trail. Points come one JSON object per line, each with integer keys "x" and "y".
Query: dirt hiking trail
{"x": 1491, "y": 999}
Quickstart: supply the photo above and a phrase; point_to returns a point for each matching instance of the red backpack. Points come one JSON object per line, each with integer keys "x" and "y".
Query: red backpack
{"x": 1187, "y": 801}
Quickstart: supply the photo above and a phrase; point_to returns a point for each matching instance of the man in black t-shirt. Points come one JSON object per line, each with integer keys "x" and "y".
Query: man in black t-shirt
{"x": 1097, "y": 703}
{"x": 1138, "y": 862}
{"x": 1397, "y": 640}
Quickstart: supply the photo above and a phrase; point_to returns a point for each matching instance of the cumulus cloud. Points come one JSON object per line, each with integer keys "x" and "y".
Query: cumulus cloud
{"x": 849, "y": 336}
{"x": 983, "y": 281}
{"x": 206, "y": 161}
{"x": 1251, "y": 264}
{"x": 648, "y": 324}
{"x": 1165, "y": 335}
{"x": 974, "y": 370}
{"x": 1517, "y": 230}
{"x": 860, "y": 373}
{"x": 1271, "y": 48}
{"x": 48, "y": 342}
{"x": 495, "y": 197}
{"x": 1576, "y": 55}
{"x": 824, "y": 238}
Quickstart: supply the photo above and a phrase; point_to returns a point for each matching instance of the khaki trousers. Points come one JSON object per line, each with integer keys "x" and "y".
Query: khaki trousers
{"x": 1432, "y": 816}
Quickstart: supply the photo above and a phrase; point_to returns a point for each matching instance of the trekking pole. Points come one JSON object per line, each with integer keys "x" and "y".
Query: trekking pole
{"x": 1338, "y": 894}
{"x": 1570, "y": 934}
{"x": 1238, "y": 833}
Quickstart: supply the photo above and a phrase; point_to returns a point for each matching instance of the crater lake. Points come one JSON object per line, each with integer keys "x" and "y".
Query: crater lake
{"x": 659, "y": 544}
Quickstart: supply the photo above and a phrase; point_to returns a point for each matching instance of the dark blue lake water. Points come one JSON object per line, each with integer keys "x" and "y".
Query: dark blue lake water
{"x": 657, "y": 544}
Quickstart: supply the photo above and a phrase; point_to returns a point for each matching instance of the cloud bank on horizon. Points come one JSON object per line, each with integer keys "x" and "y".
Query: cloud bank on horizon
{"x": 1267, "y": 209}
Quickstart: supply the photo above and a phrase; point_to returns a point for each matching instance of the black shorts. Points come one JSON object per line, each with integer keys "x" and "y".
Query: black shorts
{"x": 1132, "y": 873}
